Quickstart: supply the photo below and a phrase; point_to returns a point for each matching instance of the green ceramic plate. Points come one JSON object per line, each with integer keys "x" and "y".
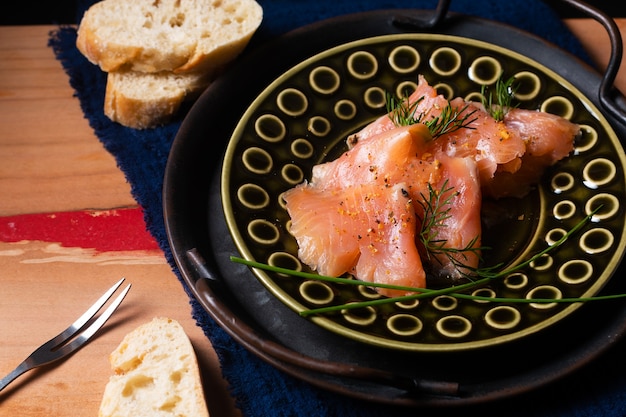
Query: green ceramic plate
{"x": 303, "y": 119}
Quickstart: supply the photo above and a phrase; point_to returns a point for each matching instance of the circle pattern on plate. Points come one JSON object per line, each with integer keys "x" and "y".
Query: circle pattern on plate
{"x": 303, "y": 119}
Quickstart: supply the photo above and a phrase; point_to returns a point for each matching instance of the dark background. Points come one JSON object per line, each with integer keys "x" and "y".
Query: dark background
{"x": 29, "y": 12}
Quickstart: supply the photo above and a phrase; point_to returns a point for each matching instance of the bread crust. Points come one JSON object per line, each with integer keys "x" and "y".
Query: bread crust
{"x": 137, "y": 113}
{"x": 202, "y": 36}
{"x": 108, "y": 55}
{"x": 142, "y": 101}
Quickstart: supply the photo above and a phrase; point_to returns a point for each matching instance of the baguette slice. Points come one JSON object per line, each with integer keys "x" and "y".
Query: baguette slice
{"x": 156, "y": 374}
{"x": 167, "y": 35}
{"x": 145, "y": 100}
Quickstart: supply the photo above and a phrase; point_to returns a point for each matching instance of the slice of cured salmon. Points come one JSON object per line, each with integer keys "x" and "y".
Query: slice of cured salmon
{"x": 393, "y": 156}
{"x": 426, "y": 101}
{"x": 455, "y": 241}
{"x": 357, "y": 214}
{"x": 547, "y": 139}
{"x": 363, "y": 229}
{"x": 485, "y": 140}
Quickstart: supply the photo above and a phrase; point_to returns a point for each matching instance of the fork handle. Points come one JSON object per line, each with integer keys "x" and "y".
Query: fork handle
{"x": 21, "y": 368}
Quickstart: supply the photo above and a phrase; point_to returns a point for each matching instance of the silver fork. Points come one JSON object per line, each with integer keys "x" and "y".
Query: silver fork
{"x": 70, "y": 340}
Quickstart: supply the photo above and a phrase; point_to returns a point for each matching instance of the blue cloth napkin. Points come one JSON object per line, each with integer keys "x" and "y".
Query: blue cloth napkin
{"x": 260, "y": 389}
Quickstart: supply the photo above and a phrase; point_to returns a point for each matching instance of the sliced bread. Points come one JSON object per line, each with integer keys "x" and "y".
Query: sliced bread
{"x": 145, "y": 100}
{"x": 155, "y": 374}
{"x": 167, "y": 35}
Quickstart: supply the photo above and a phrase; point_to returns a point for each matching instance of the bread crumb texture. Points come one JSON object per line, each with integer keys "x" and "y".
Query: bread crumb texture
{"x": 166, "y": 35}
{"x": 155, "y": 374}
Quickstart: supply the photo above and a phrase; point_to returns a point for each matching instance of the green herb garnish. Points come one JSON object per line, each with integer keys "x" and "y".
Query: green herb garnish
{"x": 436, "y": 208}
{"x": 499, "y": 106}
{"x": 449, "y": 120}
{"x": 484, "y": 275}
{"x": 403, "y": 113}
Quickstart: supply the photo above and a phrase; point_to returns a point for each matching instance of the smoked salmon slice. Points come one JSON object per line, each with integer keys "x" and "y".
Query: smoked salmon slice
{"x": 357, "y": 214}
{"x": 364, "y": 229}
{"x": 426, "y": 101}
{"x": 456, "y": 247}
{"x": 393, "y": 156}
{"x": 486, "y": 140}
{"x": 547, "y": 139}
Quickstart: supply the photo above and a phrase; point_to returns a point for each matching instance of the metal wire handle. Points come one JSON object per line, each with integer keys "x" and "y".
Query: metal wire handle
{"x": 609, "y": 97}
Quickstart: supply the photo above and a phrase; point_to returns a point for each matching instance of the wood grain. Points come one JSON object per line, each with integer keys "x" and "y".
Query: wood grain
{"x": 48, "y": 151}
{"x": 51, "y": 161}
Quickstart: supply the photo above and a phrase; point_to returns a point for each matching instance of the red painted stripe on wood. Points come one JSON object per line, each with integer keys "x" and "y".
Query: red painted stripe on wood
{"x": 104, "y": 231}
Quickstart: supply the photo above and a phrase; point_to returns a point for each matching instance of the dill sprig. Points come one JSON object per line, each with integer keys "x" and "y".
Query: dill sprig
{"x": 436, "y": 211}
{"x": 401, "y": 111}
{"x": 503, "y": 102}
{"x": 436, "y": 207}
{"x": 449, "y": 120}
{"x": 484, "y": 275}
{"x": 404, "y": 113}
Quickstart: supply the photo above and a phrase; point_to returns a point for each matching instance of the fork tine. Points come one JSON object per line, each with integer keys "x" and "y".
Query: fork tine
{"x": 86, "y": 334}
{"x": 84, "y": 319}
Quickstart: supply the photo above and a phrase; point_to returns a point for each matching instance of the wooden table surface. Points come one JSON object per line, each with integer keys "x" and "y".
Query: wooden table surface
{"x": 51, "y": 162}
